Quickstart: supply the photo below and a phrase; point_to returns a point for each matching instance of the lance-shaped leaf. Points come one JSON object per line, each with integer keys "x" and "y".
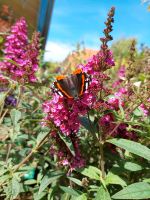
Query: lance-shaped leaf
{"x": 70, "y": 191}
{"x": 91, "y": 172}
{"x": 88, "y": 125}
{"x": 133, "y": 147}
{"x": 68, "y": 143}
{"x": 114, "y": 179}
{"x": 47, "y": 180}
{"x": 102, "y": 194}
{"x": 139, "y": 190}
{"x": 15, "y": 116}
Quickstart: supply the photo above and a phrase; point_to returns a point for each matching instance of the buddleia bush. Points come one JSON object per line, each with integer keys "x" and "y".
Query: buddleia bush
{"x": 53, "y": 146}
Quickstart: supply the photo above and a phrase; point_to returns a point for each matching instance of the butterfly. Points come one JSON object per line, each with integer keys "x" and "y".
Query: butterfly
{"x": 72, "y": 86}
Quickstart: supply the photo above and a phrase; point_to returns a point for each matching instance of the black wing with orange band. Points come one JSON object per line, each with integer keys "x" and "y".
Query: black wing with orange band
{"x": 72, "y": 86}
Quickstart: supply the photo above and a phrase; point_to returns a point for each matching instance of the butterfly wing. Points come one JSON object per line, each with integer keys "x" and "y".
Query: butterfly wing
{"x": 68, "y": 86}
{"x": 72, "y": 86}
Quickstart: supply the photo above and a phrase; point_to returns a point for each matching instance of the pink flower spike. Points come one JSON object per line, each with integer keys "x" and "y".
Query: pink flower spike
{"x": 23, "y": 56}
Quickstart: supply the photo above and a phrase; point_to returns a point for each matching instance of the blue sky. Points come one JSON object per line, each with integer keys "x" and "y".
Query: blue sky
{"x": 83, "y": 20}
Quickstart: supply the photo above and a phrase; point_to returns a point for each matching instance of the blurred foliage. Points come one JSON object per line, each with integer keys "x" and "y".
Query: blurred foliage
{"x": 120, "y": 50}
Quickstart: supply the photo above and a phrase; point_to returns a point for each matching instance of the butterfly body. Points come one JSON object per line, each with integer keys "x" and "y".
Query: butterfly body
{"x": 72, "y": 86}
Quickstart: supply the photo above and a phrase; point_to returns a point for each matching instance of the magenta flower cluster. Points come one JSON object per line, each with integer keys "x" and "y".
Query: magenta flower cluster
{"x": 98, "y": 63}
{"x": 64, "y": 112}
{"x": 21, "y": 57}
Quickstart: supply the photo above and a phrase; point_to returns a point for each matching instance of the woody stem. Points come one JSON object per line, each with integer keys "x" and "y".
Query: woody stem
{"x": 102, "y": 161}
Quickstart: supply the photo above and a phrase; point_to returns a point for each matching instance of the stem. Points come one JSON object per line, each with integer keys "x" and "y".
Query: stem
{"x": 24, "y": 160}
{"x": 102, "y": 161}
{"x": 8, "y": 151}
{"x": 19, "y": 95}
{"x": 34, "y": 150}
{"x": 2, "y": 117}
{"x": 115, "y": 128}
{"x": 101, "y": 144}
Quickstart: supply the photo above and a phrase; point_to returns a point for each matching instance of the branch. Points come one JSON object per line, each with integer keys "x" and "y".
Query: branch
{"x": 34, "y": 150}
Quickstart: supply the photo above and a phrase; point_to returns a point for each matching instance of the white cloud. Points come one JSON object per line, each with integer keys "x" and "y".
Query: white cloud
{"x": 56, "y": 51}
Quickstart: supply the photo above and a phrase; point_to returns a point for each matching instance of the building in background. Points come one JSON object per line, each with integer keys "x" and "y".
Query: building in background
{"x": 37, "y": 13}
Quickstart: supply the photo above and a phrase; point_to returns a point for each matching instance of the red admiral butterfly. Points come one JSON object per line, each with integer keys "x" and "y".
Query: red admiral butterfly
{"x": 72, "y": 86}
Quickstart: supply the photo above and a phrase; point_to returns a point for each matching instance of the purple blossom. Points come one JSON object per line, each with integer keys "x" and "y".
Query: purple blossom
{"x": 10, "y": 101}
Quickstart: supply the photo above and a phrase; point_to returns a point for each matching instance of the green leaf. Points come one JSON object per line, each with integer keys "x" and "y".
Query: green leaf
{"x": 82, "y": 197}
{"x": 122, "y": 111}
{"x": 70, "y": 191}
{"x": 2, "y": 97}
{"x": 93, "y": 188}
{"x": 138, "y": 112}
{"x": 65, "y": 196}
{"x": 50, "y": 194}
{"x": 132, "y": 166}
{"x": 139, "y": 190}
{"x": 102, "y": 194}
{"x": 88, "y": 125}
{"x": 41, "y": 136}
{"x": 114, "y": 179}
{"x": 3, "y": 171}
{"x": 38, "y": 196}
{"x": 133, "y": 147}
{"x": 15, "y": 187}
{"x": 147, "y": 180}
{"x": 4, "y": 179}
{"x": 91, "y": 172}
{"x": 77, "y": 181}
{"x": 15, "y": 116}
{"x": 30, "y": 182}
{"x": 48, "y": 180}
{"x": 68, "y": 143}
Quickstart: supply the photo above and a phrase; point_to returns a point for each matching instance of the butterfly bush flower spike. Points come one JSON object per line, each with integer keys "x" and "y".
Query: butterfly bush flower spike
{"x": 21, "y": 57}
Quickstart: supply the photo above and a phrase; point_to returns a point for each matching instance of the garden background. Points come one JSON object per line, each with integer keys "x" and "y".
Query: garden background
{"x": 75, "y": 101}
